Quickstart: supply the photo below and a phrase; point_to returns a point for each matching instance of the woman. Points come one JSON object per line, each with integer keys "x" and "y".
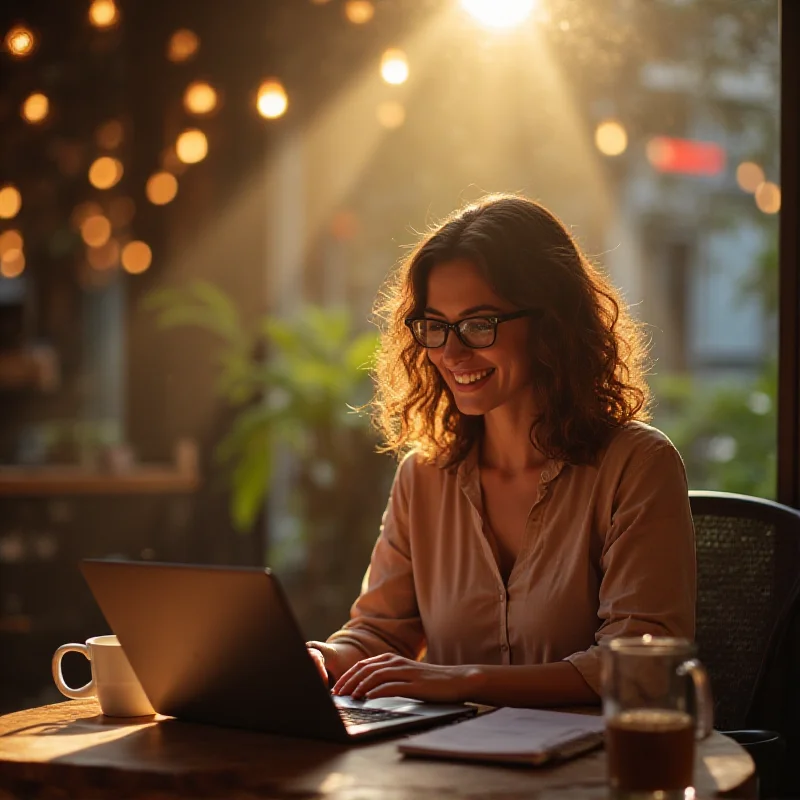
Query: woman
{"x": 535, "y": 514}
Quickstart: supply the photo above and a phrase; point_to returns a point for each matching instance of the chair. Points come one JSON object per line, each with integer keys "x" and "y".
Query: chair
{"x": 748, "y": 563}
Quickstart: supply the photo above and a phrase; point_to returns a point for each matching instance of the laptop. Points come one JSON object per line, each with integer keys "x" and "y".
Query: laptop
{"x": 220, "y": 645}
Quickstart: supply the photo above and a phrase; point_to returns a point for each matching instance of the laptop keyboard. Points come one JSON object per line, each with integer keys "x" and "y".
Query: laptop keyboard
{"x": 362, "y": 716}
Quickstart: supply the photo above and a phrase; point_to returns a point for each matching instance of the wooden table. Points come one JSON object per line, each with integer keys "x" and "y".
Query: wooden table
{"x": 70, "y": 750}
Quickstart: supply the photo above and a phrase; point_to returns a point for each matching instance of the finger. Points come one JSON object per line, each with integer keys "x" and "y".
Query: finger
{"x": 348, "y": 680}
{"x": 397, "y": 689}
{"x": 319, "y": 662}
{"x": 381, "y": 676}
{"x": 351, "y": 679}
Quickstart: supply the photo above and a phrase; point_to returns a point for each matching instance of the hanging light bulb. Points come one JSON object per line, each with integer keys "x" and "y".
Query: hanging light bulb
{"x": 35, "y": 108}
{"x": 200, "y": 98}
{"x": 183, "y": 44}
{"x": 272, "y": 100}
{"x": 103, "y": 13}
{"x": 394, "y": 66}
{"x": 136, "y": 257}
{"x": 20, "y": 41}
{"x": 359, "y": 12}
{"x": 191, "y": 146}
{"x": 10, "y": 201}
{"x": 105, "y": 172}
{"x": 161, "y": 188}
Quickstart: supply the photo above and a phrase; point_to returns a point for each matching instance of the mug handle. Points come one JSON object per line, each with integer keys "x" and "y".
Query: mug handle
{"x": 702, "y": 692}
{"x": 73, "y": 694}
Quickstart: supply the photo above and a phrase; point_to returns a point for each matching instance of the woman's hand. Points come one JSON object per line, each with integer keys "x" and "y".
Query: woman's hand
{"x": 390, "y": 675}
{"x": 319, "y": 662}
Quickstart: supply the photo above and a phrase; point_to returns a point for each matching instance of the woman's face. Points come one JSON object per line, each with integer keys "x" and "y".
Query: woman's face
{"x": 481, "y": 380}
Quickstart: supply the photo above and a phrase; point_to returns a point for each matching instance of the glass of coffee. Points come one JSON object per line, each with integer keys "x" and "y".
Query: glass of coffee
{"x": 656, "y": 702}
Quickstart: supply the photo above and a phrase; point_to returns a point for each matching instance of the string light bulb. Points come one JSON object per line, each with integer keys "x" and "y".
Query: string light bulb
{"x": 103, "y": 13}
{"x": 20, "y": 41}
{"x": 359, "y": 12}
{"x": 272, "y": 100}
{"x": 35, "y": 108}
{"x": 12, "y": 263}
{"x": 10, "y": 240}
{"x": 183, "y": 44}
{"x": 96, "y": 230}
{"x": 110, "y": 134}
{"x": 105, "y": 172}
{"x": 136, "y": 257}
{"x": 10, "y": 201}
{"x": 200, "y": 98}
{"x": 191, "y": 146}
{"x": 161, "y": 188}
{"x": 394, "y": 66}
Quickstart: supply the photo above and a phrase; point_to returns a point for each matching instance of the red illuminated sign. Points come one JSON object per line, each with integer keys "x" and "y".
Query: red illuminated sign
{"x": 685, "y": 156}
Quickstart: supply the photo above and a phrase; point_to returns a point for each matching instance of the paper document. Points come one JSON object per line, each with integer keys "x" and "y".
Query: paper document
{"x": 511, "y": 735}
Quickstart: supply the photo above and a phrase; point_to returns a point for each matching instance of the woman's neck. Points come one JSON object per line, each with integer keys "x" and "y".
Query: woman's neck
{"x": 506, "y": 443}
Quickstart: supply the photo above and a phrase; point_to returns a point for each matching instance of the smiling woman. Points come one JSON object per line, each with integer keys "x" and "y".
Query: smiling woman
{"x": 534, "y": 514}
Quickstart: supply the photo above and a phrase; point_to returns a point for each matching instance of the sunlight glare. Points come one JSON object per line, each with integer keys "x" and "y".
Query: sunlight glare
{"x": 499, "y": 13}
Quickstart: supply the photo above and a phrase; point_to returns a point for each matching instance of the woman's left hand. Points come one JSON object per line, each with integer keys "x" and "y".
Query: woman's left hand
{"x": 390, "y": 675}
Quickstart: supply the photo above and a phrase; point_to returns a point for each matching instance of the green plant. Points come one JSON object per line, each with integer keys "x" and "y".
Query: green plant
{"x": 295, "y": 384}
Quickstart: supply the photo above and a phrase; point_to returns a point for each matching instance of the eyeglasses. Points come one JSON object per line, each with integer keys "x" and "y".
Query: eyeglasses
{"x": 474, "y": 332}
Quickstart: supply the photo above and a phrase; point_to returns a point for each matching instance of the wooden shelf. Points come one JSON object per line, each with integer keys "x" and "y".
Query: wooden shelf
{"x": 67, "y": 480}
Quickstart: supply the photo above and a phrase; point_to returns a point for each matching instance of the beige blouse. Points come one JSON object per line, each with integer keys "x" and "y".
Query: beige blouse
{"x": 608, "y": 551}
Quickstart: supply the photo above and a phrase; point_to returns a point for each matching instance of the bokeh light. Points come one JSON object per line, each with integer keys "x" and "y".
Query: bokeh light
{"x": 200, "y": 98}
{"x": 391, "y": 114}
{"x": 749, "y": 176}
{"x": 35, "y": 108}
{"x": 105, "y": 172}
{"x": 272, "y": 100}
{"x": 161, "y": 188}
{"x": 183, "y": 44}
{"x": 394, "y": 66}
{"x": 96, "y": 230}
{"x": 104, "y": 257}
{"x": 12, "y": 263}
{"x": 345, "y": 225}
{"x": 103, "y": 13}
{"x": 110, "y": 134}
{"x": 10, "y": 240}
{"x": 359, "y": 11}
{"x": 20, "y": 41}
{"x": 611, "y": 138}
{"x": 10, "y": 201}
{"x": 82, "y": 212}
{"x": 191, "y": 146}
{"x": 121, "y": 211}
{"x": 136, "y": 257}
{"x": 499, "y": 13}
{"x": 768, "y": 197}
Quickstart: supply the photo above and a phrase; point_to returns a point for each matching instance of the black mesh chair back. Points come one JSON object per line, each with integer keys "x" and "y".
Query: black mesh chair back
{"x": 748, "y": 561}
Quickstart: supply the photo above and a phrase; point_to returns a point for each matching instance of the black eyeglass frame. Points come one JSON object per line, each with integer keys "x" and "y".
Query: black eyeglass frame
{"x": 495, "y": 319}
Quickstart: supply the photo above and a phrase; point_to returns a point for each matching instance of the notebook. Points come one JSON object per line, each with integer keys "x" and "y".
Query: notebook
{"x": 511, "y": 736}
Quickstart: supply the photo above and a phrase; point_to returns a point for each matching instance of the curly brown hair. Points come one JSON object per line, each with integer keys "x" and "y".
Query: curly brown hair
{"x": 587, "y": 352}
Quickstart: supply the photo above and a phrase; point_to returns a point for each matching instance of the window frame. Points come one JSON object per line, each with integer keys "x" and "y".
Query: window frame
{"x": 788, "y": 444}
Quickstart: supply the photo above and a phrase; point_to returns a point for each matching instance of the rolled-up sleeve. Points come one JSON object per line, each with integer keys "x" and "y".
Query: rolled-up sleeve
{"x": 648, "y": 566}
{"x": 385, "y": 617}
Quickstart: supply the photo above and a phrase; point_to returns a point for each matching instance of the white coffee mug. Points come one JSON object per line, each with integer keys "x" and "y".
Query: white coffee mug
{"x": 113, "y": 682}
